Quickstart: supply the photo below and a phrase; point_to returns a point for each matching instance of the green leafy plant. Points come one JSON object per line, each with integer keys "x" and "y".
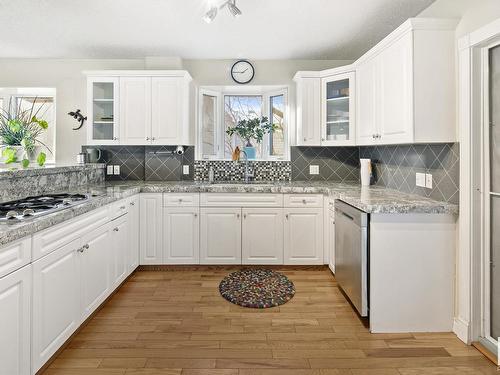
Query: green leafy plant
{"x": 22, "y": 127}
{"x": 254, "y": 128}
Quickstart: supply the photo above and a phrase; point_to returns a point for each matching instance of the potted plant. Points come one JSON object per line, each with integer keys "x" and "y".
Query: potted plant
{"x": 252, "y": 129}
{"x": 20, "y": 131}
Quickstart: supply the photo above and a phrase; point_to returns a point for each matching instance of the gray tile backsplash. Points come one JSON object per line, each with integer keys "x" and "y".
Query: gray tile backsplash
{"x": 395, "y": 167}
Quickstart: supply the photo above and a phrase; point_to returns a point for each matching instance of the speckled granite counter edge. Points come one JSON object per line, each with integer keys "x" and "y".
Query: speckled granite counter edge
{"x": 15, "y": 172}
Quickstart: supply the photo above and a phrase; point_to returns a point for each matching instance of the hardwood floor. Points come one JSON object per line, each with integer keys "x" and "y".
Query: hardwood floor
{"x": 175, "y": 322}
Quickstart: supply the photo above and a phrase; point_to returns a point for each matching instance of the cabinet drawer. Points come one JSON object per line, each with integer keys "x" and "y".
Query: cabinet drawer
{"x": 51, "y": 239}
{"x": 241, "y": 200}
{"x": 119, "y": 208}
{"x": 181, "y": 200}
{"x": 15, "y": 255}
{"x": 304, "y": 200}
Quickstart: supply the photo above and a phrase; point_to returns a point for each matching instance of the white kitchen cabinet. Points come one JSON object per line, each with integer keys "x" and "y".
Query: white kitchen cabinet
{"x": 151, "y": 227}
{"x": 119, "y": 234}
{"x": 135, "y": 110}
{"x": 103, "y": 110}
{"x": 262, "y": 236}
{"x": 331, "y": 240}
{"x": 15, "y": 322}
{"x": 308, "y": 109}
{"x": 95, "y": 269}
{"x": 170, "y": 111}
{"x": 181, "y": 235}
{"x": 337, "y": 110}
{"x": 56, "y": 300}
{"x": 303, "y": 236}
{"x": 220, "y": 235}
{"x": 133, "y": 231}
{"x": 406, "y": 86}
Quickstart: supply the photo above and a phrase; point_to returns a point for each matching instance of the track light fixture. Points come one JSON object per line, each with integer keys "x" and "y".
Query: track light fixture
{"x": 231, "y": 6}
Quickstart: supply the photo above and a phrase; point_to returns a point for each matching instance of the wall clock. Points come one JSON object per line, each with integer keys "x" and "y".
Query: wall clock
{"x": 242, "y": 71}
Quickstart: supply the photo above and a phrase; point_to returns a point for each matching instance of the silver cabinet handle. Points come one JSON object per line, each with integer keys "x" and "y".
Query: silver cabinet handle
{"x": 322, "y": 139}
{"x": 305, "y": 139}
{"x": 180, "y": 200}
{"x": 195, "y": 215}
{"x": 116, "y": 229}
{"x": 122, "y": 207}
{"x": 132, "y": 203}
{"x": 147, "y": 138}
{"x": 244, "y": 216}
{"x": 286, "y": 216}
{"x": 115, "y": 138}
{"x": 237, "y": 216}
{"x": 80, "y": 250}
{"x": 153, "y": 139}
{"x": 86, "y": 246}
{"x": 304, "y": 201}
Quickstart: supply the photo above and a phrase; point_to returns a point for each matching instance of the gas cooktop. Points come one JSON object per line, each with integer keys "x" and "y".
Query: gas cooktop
{"x": 30, "y": 207}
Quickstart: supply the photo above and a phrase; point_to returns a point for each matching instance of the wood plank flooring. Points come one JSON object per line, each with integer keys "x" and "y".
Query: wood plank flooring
{"x": 174, "y": 322}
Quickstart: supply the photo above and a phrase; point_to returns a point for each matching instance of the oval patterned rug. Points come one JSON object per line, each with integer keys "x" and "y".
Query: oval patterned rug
{"x": 257, "y": 288}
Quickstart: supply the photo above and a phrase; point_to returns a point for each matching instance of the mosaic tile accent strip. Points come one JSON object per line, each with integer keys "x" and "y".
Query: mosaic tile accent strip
{"x": 234, "y": 171}
{"x": 337, "y": 164}
{"x": 395, "y": 167}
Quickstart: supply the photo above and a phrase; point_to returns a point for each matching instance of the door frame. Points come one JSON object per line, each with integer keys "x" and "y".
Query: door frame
{"x": 469, "y": 316}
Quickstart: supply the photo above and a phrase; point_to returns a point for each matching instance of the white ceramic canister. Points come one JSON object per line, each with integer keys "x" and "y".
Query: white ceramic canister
{"x": 366, "y": 171}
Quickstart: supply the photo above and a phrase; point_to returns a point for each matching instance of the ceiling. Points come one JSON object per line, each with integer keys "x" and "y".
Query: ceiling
{"x": 268, "y": 29}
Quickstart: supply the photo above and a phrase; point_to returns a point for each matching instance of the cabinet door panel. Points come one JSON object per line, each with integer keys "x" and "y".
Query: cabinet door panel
{"x": 309, "y": 112}
{"x": 120, "y": 244}
{"x": 151, "y": 228}
{"x": 133, "y": 219}
{"x": 262, "y": 236}
{"x": 220, "y": 235}
{"x": 102, "y": 110}
{"x": 331, "y": 242}
{"x": 396, "y": 114}
{"x": 15, "y": 326}
{"x": 303, "y": 236}
{"x": 95, "y": 263}
{"x": 167, "y": 110}
{"x": 56, "y": 300}
{"x": 135, "y": 110}
{"x": 181, "y": 237}
{"x": 366, "y": 94}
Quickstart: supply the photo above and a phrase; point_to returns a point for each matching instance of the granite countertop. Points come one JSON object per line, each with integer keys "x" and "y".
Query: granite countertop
{"x": 15, "y": 170}
{"x": 374, "y": 200}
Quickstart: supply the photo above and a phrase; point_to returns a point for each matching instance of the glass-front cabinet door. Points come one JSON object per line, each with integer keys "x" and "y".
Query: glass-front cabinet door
{"x": 102, "y": 110}
{"x": 337, "y": 124}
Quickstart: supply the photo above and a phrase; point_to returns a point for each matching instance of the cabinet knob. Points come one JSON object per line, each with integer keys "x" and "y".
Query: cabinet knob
{"x": 116, "y": 229}
{"x": 322, "y": 139}
{"x": 122, "y": 207}
{"x": 286, "y": 216}
{"x": 237, "y": 216}
{"x": 132, "y": 203}
{"x": 147, "y": 138}
{"x": 304, "y": 201}
{"x": 86, "y": 246}
{"x": 80, "y": 250}
{"x": 153, "y": 139}
{"x": 180, "y": 200}
{"x": 115, "y": 138}
{"x": 195, "y": 215}
{"x": 305, "y": 139}
{"x": 244, "y": 216}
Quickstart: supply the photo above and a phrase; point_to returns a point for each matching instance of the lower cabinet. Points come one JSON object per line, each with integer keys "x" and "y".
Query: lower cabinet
{"x": 151, "y": 228}
{"x": 331, "y": 241}
{"x": 262, "y": 236}
{"x": 303, "y": 236}
{"x": 220, "y": 231}
{"x": 181, "y": 235}
{"x": 120, "y": 246}
{"x": 95, "y": 269}
{"x": 56, "y": 301}
{"x": 15, "y": 322}
{"x": 134, "y": 224}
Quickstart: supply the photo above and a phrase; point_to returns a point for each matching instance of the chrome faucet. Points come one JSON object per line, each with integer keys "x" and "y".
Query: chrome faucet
{"x": 248, "y": 174}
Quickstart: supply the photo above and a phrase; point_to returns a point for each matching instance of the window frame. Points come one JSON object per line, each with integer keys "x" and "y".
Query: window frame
{"x": 220, "y": 92}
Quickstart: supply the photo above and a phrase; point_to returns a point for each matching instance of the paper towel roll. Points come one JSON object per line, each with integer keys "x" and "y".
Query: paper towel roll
{"x": 366, "y": 171}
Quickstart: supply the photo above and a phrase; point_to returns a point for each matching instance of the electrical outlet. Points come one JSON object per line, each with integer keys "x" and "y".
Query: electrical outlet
{"x": 116, "y": 170}
{"x": 420, "y": 179}
{"x": 428, "y": 181}
{"x": 185, "y": 169}
{"x": 109, "y": 170}
{"x": 314, "y": 169}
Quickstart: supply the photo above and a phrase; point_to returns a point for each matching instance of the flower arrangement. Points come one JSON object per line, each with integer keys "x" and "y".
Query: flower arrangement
{"x": 20, "y": 131}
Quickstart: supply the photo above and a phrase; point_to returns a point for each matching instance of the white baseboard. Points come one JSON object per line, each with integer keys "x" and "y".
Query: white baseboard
{"x": 461, "y": 329}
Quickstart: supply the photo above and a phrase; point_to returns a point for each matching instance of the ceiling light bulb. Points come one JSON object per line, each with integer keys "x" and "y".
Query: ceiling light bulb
{"x": 235, "y": 11}
{"x": 210, "y": 15}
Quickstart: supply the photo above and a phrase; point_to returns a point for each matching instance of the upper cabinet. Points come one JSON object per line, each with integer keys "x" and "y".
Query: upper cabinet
{"x": 325, "y": 107}
{"x": 140, "y": 108}
{"x": 406, "y": 86}
{"x": 401, "y": 91}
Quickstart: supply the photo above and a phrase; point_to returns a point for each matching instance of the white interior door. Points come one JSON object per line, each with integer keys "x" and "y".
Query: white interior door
{"x": 220, "y": 235}
{"x": 181, "y": 235}
{"x": 262, "y": 236}
{"x": 167, "y": 106}
{"x": 135, "y": 110}
{"x": 15, "y": 322}
{"x": 56, "y": 300}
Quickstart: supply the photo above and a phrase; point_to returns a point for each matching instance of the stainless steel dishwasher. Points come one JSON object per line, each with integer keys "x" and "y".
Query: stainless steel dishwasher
{"x": 351, "y": 254}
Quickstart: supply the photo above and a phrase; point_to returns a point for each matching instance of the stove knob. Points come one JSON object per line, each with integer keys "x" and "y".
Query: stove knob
{"x": 11, "y": 214}
{"x": 28, "y": 212}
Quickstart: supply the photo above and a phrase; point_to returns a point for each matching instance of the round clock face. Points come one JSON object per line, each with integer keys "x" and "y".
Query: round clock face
{"x": 242, "y": 71}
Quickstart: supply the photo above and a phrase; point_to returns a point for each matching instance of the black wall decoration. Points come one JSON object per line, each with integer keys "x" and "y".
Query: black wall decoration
{"x": 78, "y": 117}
